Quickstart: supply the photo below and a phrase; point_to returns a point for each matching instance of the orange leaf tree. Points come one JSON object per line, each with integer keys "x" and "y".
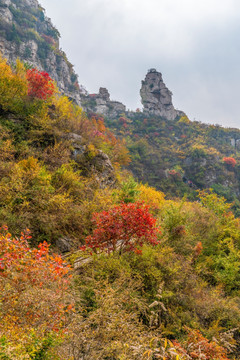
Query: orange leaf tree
{"x": 34, "y": 290}
{"x": 124, "y": 227}
{"x": 229, "y": 161}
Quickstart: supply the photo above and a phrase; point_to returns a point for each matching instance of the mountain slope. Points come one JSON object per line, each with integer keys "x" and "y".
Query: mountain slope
{"x": 143, "y": 277}
{"x": 174, "y": 154}
{"x": 179, "y": 156}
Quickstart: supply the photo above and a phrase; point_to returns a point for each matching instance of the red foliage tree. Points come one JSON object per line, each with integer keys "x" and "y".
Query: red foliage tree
{"x": 124, "y": 227}
{"x": 174, "y": 174}
{"x": 40, "y": 84}
{"x": 229, "y": 161}
{"x": 33, "y": 287}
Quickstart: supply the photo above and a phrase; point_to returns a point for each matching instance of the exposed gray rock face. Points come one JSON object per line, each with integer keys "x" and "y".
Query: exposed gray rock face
{"x": 95, "y": 163}
{"x": 5, "y": 13}
{"x": 101, "y": 104}
{"x": 91, "y": 162}
{"x": 102, "y": 164}
{"x": 104, "y": 94}
{"x": 80, "y": 263}
{"x": 156, "y": 97}
{"x": 116, "y": 108}
{"x": 235, "y": 143}
{"x": 76, "y": 141}
{"x": 26, "y": 33}
{"x": 64, "y": 244}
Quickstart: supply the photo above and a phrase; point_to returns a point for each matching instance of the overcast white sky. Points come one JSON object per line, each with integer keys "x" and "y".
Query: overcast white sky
{"x": 195, "y": 44}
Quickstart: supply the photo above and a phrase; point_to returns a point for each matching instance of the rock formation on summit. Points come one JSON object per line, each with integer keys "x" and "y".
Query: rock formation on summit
{"x": 100, "y": 103}
{"x": 156, "y": 97}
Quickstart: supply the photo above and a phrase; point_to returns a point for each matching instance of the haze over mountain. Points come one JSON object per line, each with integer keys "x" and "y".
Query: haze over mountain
{"x": 193, "y": 44}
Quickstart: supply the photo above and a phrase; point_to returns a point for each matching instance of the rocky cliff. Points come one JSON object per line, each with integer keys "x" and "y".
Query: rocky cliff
{"x": 26, "y": 33}
{"x": 156, "y": 97}
{"x": 100, "y": 103}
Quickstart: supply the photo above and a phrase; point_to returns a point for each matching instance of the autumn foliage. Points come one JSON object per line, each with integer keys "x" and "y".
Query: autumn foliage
{"x": 229, "y": 161}
{"x": 198, "y": 347}
{"x": 125, "y": 227}
{"x": 33, "y": 286}
{"x": 40, "y": 84}
{"x": 117, "y": 306}
{"x": 13, "y": 86}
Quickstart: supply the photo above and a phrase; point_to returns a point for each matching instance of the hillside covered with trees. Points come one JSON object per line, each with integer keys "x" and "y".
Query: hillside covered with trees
{"x": 93, "y": 264}
{"x": 180, "y": 156}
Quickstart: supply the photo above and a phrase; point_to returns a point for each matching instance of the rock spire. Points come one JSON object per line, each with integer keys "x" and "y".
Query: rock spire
{"x": 156, "y": 97}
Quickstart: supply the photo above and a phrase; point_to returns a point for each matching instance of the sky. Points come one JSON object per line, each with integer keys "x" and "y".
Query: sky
{"x": 195, "y": 44}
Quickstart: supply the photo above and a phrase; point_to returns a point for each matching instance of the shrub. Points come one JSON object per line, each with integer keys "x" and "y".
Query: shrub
{"x": 198, "y": 347}
{"x": 229, "y": 161}
{"x": 13, "y": 86}
{"x": 151, "y": 197}
{"x": 125, "y": 227}
{"x": 33, "y": 292}
{"x": 40, "y": 84}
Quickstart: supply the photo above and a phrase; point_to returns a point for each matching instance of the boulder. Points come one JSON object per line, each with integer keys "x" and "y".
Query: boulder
{"x": 64, "y": 244}
{"x": 101, "y": 104}
{"x": 97, "y": 164}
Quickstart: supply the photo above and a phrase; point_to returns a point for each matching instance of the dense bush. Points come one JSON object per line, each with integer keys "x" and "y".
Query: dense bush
{"x": 125, "y": 227}
{"x": 34, "y": 295}
{"x": 13, "y": 86}
{"x": 229, "y": 161}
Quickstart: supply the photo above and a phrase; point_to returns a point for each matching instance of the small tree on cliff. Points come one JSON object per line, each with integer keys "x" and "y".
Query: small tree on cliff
{"x": 40, "y": 84}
